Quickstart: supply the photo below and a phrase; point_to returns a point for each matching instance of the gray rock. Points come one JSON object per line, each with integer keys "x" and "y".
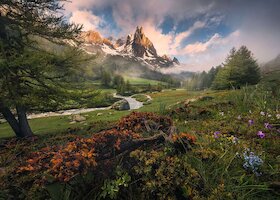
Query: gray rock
{"x": 121, "y": 105}
{"x": 78, "y": 118}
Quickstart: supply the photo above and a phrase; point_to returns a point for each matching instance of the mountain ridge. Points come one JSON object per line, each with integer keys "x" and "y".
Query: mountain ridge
{"x": 136, "y": 45}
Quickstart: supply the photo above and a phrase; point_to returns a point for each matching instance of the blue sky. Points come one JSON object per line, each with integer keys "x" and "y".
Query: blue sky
{"x": 199, "y": 32}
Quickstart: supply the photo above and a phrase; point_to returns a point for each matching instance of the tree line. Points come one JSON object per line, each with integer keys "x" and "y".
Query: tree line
{"x": 239, "y": 69}
{"x": 117, "y": 81}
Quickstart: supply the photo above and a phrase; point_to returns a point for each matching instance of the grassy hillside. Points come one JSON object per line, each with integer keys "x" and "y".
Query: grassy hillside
{"x": 207, "y": 158}
{"x": 142, "y": 81}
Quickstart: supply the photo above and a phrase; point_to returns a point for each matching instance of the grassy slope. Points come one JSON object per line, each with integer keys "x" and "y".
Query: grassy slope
{"x": 218, "y": 160}
{"x": 141, "y": 81}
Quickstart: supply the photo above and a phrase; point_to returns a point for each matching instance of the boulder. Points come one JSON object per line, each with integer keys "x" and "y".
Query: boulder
{"x": 78, "y": 118}
{"x": 121, "y": 105}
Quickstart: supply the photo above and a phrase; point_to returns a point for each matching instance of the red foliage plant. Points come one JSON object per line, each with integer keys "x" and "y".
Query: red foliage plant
{"x": 63, "y": 162}
{"x": 141, "y": 121}
{"x": 184, "y": 136}
{"x": 82, "y": 154}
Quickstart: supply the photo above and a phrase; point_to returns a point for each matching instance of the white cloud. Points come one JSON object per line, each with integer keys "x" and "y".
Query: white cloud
{"x": 87, "y": 18}
{"x": 216, "y": 39}
{"x": 181, "y": 36}
{"x": 170, "y": 43}
{"x": 162, "y": 42}
{"x": 257, "y": 23}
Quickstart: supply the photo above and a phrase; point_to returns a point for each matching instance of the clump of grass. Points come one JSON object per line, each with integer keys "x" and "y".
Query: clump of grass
{"x": 141, "y": 97}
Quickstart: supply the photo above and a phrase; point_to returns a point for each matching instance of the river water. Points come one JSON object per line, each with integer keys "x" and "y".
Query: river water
{"x": 133, "y": 103}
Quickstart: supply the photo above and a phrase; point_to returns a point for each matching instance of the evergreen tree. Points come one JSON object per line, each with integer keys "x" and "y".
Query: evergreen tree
{"x": 31, "y": 74}
{"x": 240, "y": 69}
{"x": 118, "y": 80}
{"x": 106, "y": 78}
{"x": 128, "y": 86}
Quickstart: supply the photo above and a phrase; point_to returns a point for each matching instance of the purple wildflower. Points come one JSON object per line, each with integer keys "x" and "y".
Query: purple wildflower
{"x": 261, "y": 134}
{"x": 216, "y": 134}
{"x": 268, "y": 126}
{"x": 251, "y": 122}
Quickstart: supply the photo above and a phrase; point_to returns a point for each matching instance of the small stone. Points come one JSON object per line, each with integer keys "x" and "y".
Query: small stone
{"x": 78, "y": 118}
{"x": 99, "y": 114}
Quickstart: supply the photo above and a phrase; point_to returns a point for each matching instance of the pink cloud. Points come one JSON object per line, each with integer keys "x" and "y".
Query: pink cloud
{"x": 87, "y": 18}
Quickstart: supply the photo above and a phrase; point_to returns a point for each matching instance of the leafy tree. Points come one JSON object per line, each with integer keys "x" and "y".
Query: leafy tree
{"x": 106, "y": 78}
{"x": 222, "y": 80}
{"x": 118, "y": 80}
{"x": 128, "y": 86}
{"x": 240, "y": 69}
{"x": 32, "y": 74}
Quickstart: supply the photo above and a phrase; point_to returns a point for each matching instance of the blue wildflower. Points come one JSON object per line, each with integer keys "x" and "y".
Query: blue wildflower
{"x": 252, "y": 162}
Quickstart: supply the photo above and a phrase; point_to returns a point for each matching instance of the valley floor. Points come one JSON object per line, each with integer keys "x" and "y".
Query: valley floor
{"x": 58, "y": 124}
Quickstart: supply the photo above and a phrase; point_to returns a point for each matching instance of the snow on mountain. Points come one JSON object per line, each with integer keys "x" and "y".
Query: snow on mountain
{"x": 136, "y": 46}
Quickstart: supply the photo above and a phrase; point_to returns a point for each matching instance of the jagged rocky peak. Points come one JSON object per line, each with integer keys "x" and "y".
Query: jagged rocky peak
{"x": 166, "y": 57}
{"x": 92, "y": 37}
{"x": 175, "y": 60}
{"x": 129, "y": 39}
{"x": 120, "y": 42}
{"x": 141, "y": 44}
{"x": 108, "y": 43}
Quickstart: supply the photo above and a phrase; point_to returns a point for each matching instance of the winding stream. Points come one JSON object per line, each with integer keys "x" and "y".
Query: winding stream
{"x": 133, "y": 103}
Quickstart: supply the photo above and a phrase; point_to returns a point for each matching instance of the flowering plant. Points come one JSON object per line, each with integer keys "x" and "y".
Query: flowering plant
{"x": 252, "y": 162}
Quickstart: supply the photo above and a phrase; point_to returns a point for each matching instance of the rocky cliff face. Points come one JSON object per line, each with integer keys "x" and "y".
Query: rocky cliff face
{"x": 137, "y": 46}
{"x": 141, "y": 45}
{"x": 92, "y": 37}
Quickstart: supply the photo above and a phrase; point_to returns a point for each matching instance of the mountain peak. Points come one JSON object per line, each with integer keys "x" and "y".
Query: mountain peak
{"x": 136, "y": 45}
{"x": 175, "y": 60}
{"x": 92, "y": 37}
{"x": 141, "y": 44}
{"x": 139, "y": 30}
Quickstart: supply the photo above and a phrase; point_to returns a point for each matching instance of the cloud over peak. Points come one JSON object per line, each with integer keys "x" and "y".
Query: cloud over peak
{"x": 199, "y": 32}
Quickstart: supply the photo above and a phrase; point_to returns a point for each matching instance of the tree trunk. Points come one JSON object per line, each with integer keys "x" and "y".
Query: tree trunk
{"x": 132, "y": 145}
{"x": 24, "y": 127}
{"x": 8, "y": 115}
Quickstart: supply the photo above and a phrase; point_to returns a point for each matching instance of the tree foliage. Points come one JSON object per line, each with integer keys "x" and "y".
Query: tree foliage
{"x": 240, "y": 69}
{"x": 35, "y": 59}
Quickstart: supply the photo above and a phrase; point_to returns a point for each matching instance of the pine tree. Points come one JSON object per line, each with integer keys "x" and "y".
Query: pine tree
{"x": 31, "y": 74}
{"x": 240, "y": 69}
